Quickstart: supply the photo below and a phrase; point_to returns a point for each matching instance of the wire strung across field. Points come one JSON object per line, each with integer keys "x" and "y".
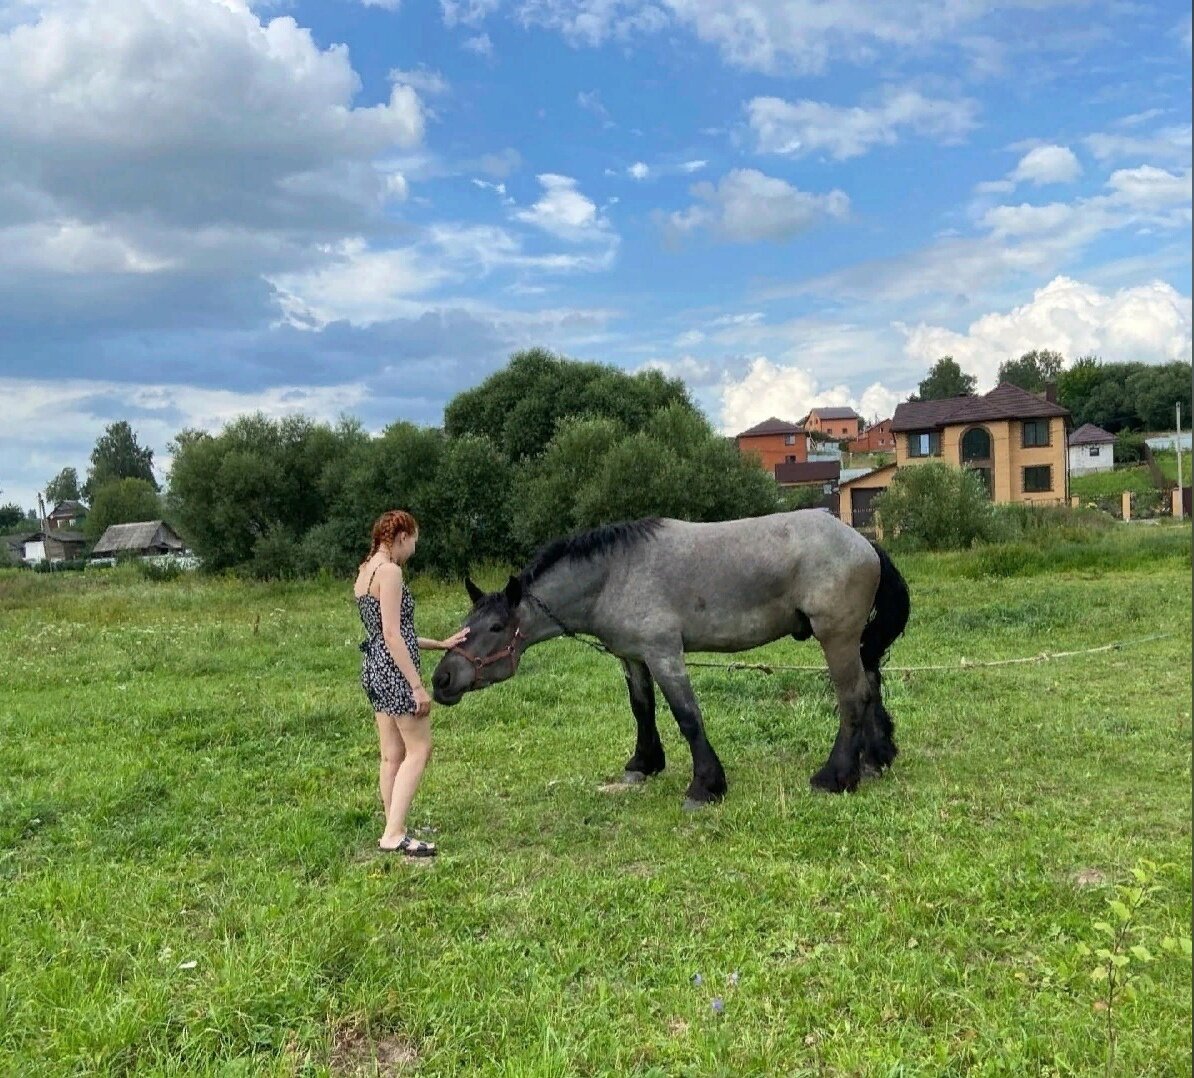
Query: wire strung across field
{"x": 961, "y": 664}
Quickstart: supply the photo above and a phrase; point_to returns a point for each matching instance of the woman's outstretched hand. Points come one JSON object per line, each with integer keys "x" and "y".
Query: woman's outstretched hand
{"x": 455, "y": 640}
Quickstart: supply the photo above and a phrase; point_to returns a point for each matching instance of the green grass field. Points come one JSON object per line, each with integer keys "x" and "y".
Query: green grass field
{"x": 189, "y": 884}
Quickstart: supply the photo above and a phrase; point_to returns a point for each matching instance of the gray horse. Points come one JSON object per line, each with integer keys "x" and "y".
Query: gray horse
{"x": 653, "y": 589}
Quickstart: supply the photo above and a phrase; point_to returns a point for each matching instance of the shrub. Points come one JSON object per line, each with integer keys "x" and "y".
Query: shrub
{"x": 938, "y": 507}
{"x": 1129, "y": 447}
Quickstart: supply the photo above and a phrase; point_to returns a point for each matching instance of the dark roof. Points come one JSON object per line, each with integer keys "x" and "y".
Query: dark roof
{"x": 64, "y": 535}
{"x": 134, "y": 537}
{"x": 773, "y": 426}
{"x": 17, "y": 541}
{"x": 834, "y": 413}
{"x": 1005, "y": 401}
{"x": 811, "y": 471}
{"x": 70, "y": 507}
{"x": 1089, "y": 434}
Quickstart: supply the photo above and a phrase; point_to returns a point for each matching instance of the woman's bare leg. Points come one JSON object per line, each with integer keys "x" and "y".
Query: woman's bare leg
{"x": 392, "y": 752}
{"x": 416, "y": 737}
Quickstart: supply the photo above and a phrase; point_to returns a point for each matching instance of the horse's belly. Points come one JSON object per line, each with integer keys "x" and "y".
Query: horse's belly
{"x": 738, "y": 633}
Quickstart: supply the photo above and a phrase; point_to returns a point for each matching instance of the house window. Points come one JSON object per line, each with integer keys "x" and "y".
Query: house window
{"x": 1035, "y": 432}
{"x": 789, "y": 439}
{"x": 789, "y": 460}
{"x": 924, "y": 444}
{"x": 1094, "y": 450}
{"x": 1038, "y": 479}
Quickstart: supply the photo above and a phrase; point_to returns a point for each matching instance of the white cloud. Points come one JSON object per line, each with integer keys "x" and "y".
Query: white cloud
{"x": 422, "y": 79}
{"x": 693, "y": 166}
{"x": 638, "y": 171}
{"x": 358, "y": 285}
{"x": 747, "y": 206}
{"x": 788, "y": 392}
{"x": 806, "y": 127}
{"x": 1149, "y": 323}
{"x": 564, "y": 212}
{"x": 467, "y": 12}
{"x": 481, "y": 45}
{"x": 1149, "y": 188}
{"x": 1047, "y": 164}
{"x": 1167, "y": 144}
{"x": 49, "y": 423}
{"x": 1015, "y": 240}
{"x": 153, "y": 139}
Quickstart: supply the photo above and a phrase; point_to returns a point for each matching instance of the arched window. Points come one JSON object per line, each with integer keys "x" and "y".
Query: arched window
{"x": 976, "y": 445}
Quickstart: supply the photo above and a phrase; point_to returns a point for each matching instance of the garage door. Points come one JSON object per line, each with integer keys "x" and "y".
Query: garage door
{"x": 861, "y": 506}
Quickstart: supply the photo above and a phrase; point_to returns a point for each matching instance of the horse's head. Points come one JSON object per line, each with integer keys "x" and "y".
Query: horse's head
{"x": 491, "y": 652}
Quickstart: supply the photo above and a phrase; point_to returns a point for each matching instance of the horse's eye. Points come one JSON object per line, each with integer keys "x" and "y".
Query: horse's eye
{"x": 496, "y": 628}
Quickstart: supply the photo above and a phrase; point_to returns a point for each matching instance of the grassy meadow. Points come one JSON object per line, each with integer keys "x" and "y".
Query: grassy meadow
{"x": 189, "y": 882}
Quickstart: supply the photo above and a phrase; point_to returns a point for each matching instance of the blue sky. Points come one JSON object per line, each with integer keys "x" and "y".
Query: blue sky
{"x": 209, "y": 207}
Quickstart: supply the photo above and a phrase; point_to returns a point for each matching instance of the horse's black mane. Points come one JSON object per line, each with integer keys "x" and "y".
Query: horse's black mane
{"x": 591, "y": 544}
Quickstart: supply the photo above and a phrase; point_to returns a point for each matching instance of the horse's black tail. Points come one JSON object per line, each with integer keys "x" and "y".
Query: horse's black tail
{"x": 890, "y": 615}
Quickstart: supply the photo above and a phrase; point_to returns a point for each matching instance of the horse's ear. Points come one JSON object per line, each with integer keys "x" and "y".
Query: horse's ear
{"x": 474, "y": 592}
{"x": 514, "y": 591}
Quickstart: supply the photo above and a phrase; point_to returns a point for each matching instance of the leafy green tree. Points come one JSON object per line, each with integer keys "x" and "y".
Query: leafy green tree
{"x": 1033, "y": 370}
{"x": 945, "y": 379}
{"x": 258, "y": 486}
{"x": 519, "y": 408}
{"x": 63, "y": 487}
{"x": 1154, "y": 390}
{"x": 1077, "y": 383}
{"x": 121, "y": 501}
{"x": 117, "y": 455}
{"x": 937, "y": 507}
{"x": 595, "y": 471}
{"x": 12, "y": 516}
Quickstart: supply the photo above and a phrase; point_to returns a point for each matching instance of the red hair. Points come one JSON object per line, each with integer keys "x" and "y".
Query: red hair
{"x": 388, "y": 526}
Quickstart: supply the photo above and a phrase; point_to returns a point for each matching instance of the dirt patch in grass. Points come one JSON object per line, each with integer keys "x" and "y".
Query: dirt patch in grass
{"x": 356, "y": 1053}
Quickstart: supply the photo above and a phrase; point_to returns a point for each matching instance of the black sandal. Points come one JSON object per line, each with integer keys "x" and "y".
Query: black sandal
{"x": 411, "y": 847}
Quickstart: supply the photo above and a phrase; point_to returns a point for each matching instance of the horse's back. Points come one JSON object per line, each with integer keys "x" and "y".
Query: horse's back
{"x": 733, "y": 584}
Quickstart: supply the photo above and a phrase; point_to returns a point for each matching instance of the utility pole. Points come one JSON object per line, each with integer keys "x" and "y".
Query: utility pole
{"x": 1177, "y": 442}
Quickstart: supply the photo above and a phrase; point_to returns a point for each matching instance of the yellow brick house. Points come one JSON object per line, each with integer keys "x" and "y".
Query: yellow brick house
{"x": 1014, "y": 439}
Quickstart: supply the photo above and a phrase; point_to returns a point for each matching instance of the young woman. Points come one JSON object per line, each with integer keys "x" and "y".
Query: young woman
{"x": 390, "y": 674}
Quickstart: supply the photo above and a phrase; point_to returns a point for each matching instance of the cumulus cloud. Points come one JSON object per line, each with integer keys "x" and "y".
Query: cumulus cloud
{"x": 564, "y": 212}
{"x": 1149, "y": 323}
{"x": 747, "y": 206}
{"x": 806, "y": 127}
{"x": 788, "y": 391}
{"x": 1047, "y": 164}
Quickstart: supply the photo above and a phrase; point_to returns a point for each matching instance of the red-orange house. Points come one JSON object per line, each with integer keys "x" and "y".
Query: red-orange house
{"x": 877, "y": 438}
{"x": 775, "y": 441}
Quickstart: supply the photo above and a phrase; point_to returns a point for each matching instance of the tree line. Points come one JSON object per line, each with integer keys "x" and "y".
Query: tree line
{"x": 543, "y": 447}
{"x": 1115, "y": 396}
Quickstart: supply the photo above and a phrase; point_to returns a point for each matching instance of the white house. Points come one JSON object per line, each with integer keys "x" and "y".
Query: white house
{"x": 1091, "y": 450}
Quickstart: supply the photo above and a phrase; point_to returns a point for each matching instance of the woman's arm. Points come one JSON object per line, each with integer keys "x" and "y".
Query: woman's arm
{"x": 427, "y": 644}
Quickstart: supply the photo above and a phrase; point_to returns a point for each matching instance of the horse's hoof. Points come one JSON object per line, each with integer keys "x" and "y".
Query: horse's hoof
{"x": 691, "y": 804}
{"x": 633, "y": 778}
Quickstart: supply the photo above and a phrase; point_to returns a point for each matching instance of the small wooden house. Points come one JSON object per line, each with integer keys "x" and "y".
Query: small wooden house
{"x": 143, "y": 539}
{"x": 66, "y": 514}
{"x": 53, "y": 544}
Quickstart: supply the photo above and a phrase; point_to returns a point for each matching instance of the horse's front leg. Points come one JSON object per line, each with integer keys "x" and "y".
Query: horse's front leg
{"x": 648, "y": 749}
{"x": 708, "y": 776}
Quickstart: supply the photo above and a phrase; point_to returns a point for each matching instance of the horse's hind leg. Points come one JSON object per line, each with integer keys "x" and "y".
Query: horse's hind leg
{"x": 708, "y": 776}
{"x": 843, "y": 770}
{"x": 648, "y": 749}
